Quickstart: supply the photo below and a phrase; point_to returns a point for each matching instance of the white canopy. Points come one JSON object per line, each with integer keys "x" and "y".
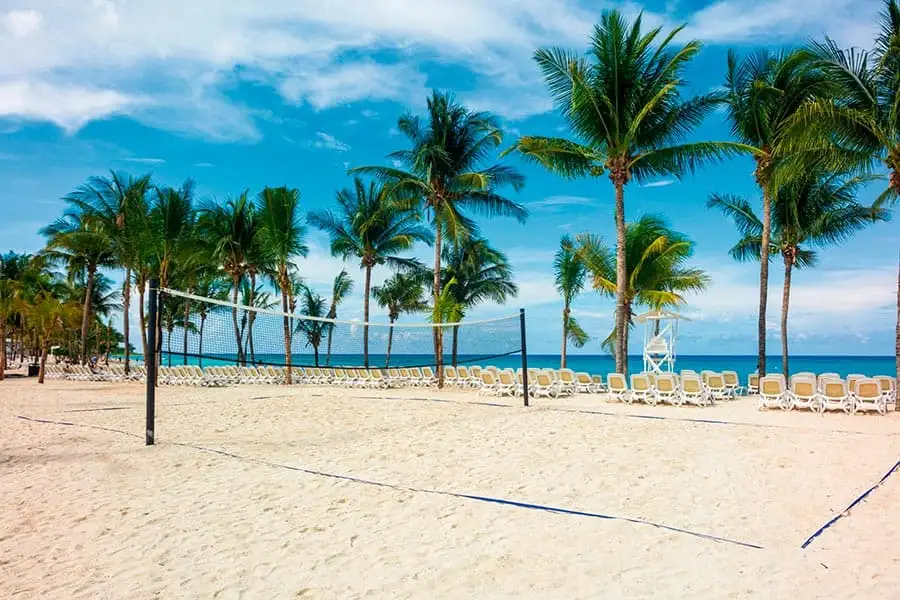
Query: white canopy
{"x": 659, "y": 315}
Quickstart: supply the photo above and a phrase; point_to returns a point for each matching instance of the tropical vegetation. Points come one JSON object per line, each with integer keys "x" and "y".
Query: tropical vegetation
{"x": 820, "y": 124}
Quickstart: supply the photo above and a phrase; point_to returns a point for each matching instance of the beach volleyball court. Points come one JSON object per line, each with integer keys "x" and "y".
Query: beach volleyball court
{"x": 278, "y": 492}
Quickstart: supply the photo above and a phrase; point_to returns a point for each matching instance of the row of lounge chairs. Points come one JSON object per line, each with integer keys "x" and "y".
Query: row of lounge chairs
{"x": 827, "y": 391}
{"x": 702, "y": 389}
{"x": 113, "y": 373}
{"x": 548, "y": 383}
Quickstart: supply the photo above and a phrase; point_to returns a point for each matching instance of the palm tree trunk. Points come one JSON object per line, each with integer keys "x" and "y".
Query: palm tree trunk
{"x": 45, "y": 348}
{"x": 108, "y": 331}
{"x": 764, "y": 280}
{"x": 897, "y": 335}
{"x": 86, "y": 313}
{"x": 785, "y": 303}
{"x": 142, "y": 317}
{"x": 565, "y": 332}
{"x": 287, "y": 331}
{"x": 387, "y": 361}
{"x": 2, "y": 348}
{"x": 126, "y": 328}
{"x": 236, "y": 284}
{"x": 187, "y": 317}
{"x": 366, "y": 316}
{"x": 621, "y": 279}
{"x": 200, "y": 341}
{"x": 437, "y": 331}
{"x": 626, "y": 331}
{"x": 316, "y": 354}
{"x": 455, "y": 355}
{"x": 328, "y": 353}
{"x": 251, "y": 316}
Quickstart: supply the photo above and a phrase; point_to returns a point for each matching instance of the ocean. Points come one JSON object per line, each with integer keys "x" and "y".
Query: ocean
{"x": 595, "y": 364}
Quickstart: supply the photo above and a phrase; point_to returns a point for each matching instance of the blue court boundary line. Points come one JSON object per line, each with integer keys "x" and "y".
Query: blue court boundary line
{"x": 604, "y": 413}
{"x": 845, "y": 512}
{"x": 479, "y": 498}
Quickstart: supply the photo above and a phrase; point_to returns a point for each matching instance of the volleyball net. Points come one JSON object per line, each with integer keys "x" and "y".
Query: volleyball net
{"x": 195, "y": 330}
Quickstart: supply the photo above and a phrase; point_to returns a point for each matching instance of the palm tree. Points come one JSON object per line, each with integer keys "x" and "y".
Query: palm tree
{"x": 371, "y": 226}
{"x": 83, "y": 246}
{"x": 656, "y": 277}
{"x": 445, "y": 172}
{"x": 624, "y": 106}
{"x": 232, "y": 230}
{"x": 282, "y": 238}
{"x": 815, "y": 210}
{"x": 764, "y": 91}
{"x": 49, "y": 317}
{"x": 119, "y": 203}
{"x": 569, "y": 277}
{"x": 313, "y": 305}
{"x": 341, "y": 287}
{"x": 860, "y": 123}
{"x": 215, "y": 288}
{"x": 399, "y": 294}
{"x": 481, "y": 273}
{"x": 8, "y": 305}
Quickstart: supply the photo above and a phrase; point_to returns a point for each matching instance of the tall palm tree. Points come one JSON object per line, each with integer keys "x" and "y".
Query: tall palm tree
{"x": 569, "y": 277}
{"x": 312, "y": 305}
{"x": 446, "y": 173}
{"x": 481, "y": 273}
{"x": 860, "y": 123}
{"x": 340, "y": 289}
{"x": 371, "y": 226}
{"x": 624, "y": 106}
{"x": 656, "y": 277}
{"x": 119, "y": 203}
{"x": 399, "y": 294}
{"x": 83, "y": 247}
{"x": 232, "y": 230}
{"x": 764, "y": 91}
{"x": 282, "y": 238}
{"x": 815, "y": 210}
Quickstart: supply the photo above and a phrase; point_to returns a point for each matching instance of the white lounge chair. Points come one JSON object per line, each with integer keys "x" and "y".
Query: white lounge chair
{"x": 666, "y": 388}
{"x": 803, "y": 394}
{"x": 692, "y": 390}
{"x": 834, "y": 395}
{"x": 772, "y": 392}
{"x": 641, "y": 390}
{"x": 868, "y": 395}
{"x": 617, "y": 386}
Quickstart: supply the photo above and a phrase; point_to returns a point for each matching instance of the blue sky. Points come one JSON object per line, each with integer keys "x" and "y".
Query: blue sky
{"x": 247, "y": 94}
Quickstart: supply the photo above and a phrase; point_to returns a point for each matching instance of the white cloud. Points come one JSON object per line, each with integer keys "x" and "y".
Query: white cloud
{"x": 821, "y": 299}
{"x": 369, "y": 114}
{"x": 204, "y": 164}
{"x": 557, "y": 202}
{"x": 168, "y": 63}
{"x": 22, "y": 23}
{"x": 68, "y": 106}
{"x": 147, "y": 161}
{"x": 850, "y": 22}
{"x": 661, "y": 183}
{"x": 329, "y": 142}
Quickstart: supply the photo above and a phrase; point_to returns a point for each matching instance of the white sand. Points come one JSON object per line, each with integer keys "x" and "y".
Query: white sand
{"x": 89, "y": 513}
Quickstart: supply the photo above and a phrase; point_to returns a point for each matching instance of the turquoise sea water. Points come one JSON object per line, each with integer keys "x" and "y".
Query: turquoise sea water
{"x": 596, "y": 364}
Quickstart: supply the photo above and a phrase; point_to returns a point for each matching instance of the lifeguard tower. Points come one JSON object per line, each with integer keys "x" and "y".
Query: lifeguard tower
{"x": 660, "y": 335}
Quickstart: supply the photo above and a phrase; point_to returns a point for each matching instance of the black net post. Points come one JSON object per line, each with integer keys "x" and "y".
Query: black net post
{"x": 150, "y": 361}
{"x": 524, "y": 356}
